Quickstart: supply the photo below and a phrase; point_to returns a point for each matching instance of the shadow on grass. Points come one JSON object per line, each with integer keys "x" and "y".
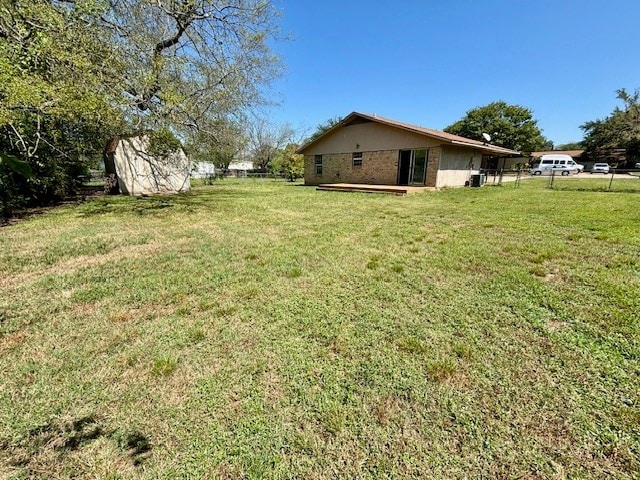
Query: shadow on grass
{"x": 67, "y": 436}
{"x": 153, "y": 205}
{"x": 56, "y": 436}
{"x": 60, "y": 438}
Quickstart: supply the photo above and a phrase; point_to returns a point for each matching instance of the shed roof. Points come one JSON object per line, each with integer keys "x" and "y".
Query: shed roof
{"x": 437, "y": 134}
{"x": 112, "y": 144}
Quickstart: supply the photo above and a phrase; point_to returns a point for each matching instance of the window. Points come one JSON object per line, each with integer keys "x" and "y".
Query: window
{"x": 318, "y": 164}
{"x": 356, "y": 159}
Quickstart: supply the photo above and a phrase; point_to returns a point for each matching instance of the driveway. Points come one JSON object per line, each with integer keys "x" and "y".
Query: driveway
{"x": 616, "y": 176}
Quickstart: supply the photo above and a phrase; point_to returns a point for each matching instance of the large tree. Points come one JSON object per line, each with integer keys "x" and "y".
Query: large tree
{"x": 189, "y": 59}
{"x": 621, "y": 129}
{"x": 73, "y": 72}
{"x": 220, "y": 143}
{"x": 510, "y": 126}
{"x": 57, "y": 108}
{"x": 267, "y": 140}
{"x": 54, "y": 68}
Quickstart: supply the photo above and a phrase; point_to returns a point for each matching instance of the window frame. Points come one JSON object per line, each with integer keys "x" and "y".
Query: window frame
{"x": 317, "y": 162}
{"x": 356, "y": 159}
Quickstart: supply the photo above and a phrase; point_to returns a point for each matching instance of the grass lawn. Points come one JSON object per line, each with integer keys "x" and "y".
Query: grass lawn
{"x": 260, "y": 329}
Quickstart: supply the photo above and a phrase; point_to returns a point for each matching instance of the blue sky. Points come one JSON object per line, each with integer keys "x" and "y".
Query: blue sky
{"x": 428, "y": 62}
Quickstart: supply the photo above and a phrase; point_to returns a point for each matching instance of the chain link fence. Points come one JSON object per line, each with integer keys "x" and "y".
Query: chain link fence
{"x": 617, "y": 180}
{"x": 500, "y": 176}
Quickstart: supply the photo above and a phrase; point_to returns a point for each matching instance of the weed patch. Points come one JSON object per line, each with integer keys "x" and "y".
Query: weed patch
{"x": 164, "y": 366}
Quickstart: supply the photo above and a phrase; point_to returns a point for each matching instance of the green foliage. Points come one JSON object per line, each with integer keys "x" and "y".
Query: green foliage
{"x": 55, "y": 107}
{"x": 74, "y": 74}
{"x": 267, "y": 140}
{"x": 162, "y": 143}
{"x": 11, "y": 196}
{"x": 14, "y": 163}
{"x": 621, "y": 129}
{"x": 510, "y": 126}
{"x": 570, "y": 146}
{"x": 49, "y": 169}
{"x": 288, "y": 163}
{"x": 220, "y": 143}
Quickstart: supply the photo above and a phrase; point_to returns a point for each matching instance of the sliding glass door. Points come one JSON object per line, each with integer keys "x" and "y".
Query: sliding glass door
{"x": 418, "y": 167}
{"x": 412, "y": 167}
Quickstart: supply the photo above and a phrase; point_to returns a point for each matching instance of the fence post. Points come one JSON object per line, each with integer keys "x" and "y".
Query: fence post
{"x": 553, "y": 176}
{"x": 613, "y": 172}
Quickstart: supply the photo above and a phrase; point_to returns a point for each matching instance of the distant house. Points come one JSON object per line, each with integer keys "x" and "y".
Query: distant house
{"x": 203, "y": 170}
{"x": 134, "y": 171}
{"x": 367, "y": 149}
{"x": 239, "y": 168}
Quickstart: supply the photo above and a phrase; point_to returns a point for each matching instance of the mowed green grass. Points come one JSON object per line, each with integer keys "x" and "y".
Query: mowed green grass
{"x": 266, "y": 330}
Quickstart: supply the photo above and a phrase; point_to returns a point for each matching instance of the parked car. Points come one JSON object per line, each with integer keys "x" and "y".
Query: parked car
{"x": 600, "y": 168}
{"x": 563, "y": 170}
{"x": 558, "y": 162}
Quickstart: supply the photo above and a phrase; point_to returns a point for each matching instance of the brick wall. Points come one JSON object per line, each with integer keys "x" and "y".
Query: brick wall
{"x": 378, "y": 168}
{"x": 433, "y": 164}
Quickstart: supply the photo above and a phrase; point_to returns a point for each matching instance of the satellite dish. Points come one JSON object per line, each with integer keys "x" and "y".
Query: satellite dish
{"x": 486, "y": 136}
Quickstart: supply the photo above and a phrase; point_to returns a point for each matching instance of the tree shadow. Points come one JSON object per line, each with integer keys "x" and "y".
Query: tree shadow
{"x": 155, "y": 204}
{"x": 53, "y": 441}
{"x": 136, "y": 444}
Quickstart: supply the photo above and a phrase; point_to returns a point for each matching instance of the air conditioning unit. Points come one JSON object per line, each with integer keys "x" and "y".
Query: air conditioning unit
{"x": 478, "y": 180}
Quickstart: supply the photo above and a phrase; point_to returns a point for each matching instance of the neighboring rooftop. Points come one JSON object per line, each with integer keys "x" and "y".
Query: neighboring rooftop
{"x": 571, "y": 153}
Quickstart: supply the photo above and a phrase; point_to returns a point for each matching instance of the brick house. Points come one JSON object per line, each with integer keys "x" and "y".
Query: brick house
{"x": 367, "y": 149}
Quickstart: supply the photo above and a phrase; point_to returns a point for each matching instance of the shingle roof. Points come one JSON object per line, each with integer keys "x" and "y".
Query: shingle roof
{"x": 444, "y": 136}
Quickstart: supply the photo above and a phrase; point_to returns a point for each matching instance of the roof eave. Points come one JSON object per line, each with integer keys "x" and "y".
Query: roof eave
{"x": 487, "y": 148}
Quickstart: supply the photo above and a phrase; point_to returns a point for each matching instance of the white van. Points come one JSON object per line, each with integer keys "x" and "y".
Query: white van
{"x": 556, "y": 162}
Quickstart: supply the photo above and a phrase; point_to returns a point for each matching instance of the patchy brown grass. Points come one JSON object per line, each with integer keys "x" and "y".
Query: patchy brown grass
{"x": 260, "y": 330}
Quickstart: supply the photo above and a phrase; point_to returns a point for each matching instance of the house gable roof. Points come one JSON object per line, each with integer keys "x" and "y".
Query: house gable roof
{"x": 356, "y": 117}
